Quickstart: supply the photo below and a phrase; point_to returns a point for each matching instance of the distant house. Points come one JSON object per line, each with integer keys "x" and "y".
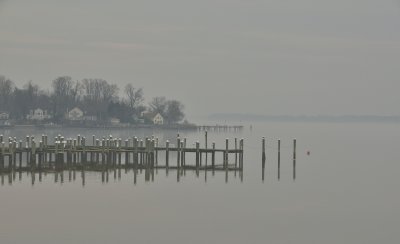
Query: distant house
{"x": 115, "y": 121}
{"x": 38, "y": 114}
{"x": 155, "y": 118}
{"x": 89, "y": 118}
{"x": 158, "y": 119}
{"x": 74, "y": 114}
{"x": 4, "y": 115}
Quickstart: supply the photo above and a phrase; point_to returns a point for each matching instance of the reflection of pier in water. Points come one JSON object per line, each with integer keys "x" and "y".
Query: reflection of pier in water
{"x": 113, "y": 173}
{"x": 112, "y": 155}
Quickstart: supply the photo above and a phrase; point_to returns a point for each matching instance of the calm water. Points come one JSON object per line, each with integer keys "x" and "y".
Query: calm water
{"x": 346, "y": 191}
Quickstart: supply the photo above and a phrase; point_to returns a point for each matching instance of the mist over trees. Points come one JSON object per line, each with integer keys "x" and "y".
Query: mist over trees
{"x": 96, "y": 97}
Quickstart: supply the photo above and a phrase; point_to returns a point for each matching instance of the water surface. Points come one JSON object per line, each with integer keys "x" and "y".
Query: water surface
{"x": 346, "y": 191}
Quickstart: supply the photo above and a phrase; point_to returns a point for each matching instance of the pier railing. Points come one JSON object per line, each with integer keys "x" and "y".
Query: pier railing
{"x": 103, "y": 153}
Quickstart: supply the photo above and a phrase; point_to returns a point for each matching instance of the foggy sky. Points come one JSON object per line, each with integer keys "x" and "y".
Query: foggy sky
{"x": 252, "y": 56}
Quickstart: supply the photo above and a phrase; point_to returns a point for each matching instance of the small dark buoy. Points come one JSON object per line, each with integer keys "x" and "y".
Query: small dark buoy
{"x": 308, "y": 153}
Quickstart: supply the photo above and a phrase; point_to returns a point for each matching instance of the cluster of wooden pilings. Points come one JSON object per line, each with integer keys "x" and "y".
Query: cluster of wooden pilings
{"x": 112, "y": 153}
{"x": 263, "y": 158}
{"x": 220, "y": 128}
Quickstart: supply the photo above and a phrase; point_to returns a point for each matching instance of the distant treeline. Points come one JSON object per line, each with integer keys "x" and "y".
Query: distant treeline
{"x": 305, "y": 118}
{"x": 96, "y": 97}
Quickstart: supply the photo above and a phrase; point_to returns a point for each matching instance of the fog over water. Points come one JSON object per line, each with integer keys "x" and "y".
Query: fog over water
{"x": 345, "y": 192}
{"x": 266, "y": 57}
{"x": 228, "y": 58}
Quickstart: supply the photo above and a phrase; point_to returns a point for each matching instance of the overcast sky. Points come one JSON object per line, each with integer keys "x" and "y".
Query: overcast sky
{"x": 251, "y": 56}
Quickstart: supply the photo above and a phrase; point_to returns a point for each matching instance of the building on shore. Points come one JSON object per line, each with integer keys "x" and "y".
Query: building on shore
{"x": 153, "y": 117}
{"x": 4, "y": 115}
{"x": 74, "y": 114}
{"x": 38, "y": 114}
{"x": 77, "y": 114}
{"x": 4, "y": 118}
{"x": 115, "y": 121}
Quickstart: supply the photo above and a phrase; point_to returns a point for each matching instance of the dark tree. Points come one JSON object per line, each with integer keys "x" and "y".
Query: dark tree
{"x": 158, "y": 105}
{"x": 135, "y": 96}
{"x": 174, "y": 112}
{"x": 6, "y": 92}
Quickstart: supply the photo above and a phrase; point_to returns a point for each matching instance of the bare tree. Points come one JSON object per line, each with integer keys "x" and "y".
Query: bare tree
{"x": 158, "y": 105}
{"x": 6, "y": 90}
{"x": 63, "y": 86}
{"x": 99, "y": 90}
{"x": 97, "y": 96}
{"x": 135, "y": 96}
{"x": 65, "y": 94}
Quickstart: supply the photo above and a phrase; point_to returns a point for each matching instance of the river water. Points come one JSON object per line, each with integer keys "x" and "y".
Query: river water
{"x": 345, "y": 191}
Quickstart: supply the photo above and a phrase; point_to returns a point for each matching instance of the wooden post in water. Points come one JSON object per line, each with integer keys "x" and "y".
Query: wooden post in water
{"x": 126, "y": 153}
{"x": 119, "y": 151}
{"x": 2, "y": 155}
{"x": 213, "y": 156}
{"x": 183, "y": 152}
{"x": 279, "y": 159}
{"x": 33, "y": 155}
{"x": 20, "y": 155}
{"x": 84, "y": 153}
{"x": 206, "y": 144}
{"x": 263, "y": 152}
{"x": 241, "y": 153}
{"x": 156, "y": 150}
{"x": 167, "y": 154}
{"x": 263, "y": 159}
{"x": 226, "y": 152}
{"x": 135, "y": 149}
{"x": 197, "y": 155}
{"x": 14, "y": 153}
{"x": 236, "y": 154}
{"x": 141, "y": 154}
{"x": 178, "y": 156}
{"x": 294, "y": 159}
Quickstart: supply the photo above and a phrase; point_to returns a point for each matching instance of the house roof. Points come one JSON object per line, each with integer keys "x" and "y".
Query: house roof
{"x": 150, "y": 115}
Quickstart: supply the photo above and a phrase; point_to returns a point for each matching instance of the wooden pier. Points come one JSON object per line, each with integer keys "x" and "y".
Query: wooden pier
{"x": 107, "y": 153}
{"x": 220, "y": 128}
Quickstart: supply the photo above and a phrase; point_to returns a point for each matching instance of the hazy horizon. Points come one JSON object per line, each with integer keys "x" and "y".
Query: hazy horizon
{"x": 276, "y": 57}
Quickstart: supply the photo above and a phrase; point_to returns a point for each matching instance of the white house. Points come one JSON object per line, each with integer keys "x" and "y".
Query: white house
{"x": 74, "y": 114}
{"x": 38, "y": 114}
{"x": 4, "y": 115}
{"x": 156, "y": 118}
{"x": 89, "y": 118}
{"x": 115, "y": 121}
